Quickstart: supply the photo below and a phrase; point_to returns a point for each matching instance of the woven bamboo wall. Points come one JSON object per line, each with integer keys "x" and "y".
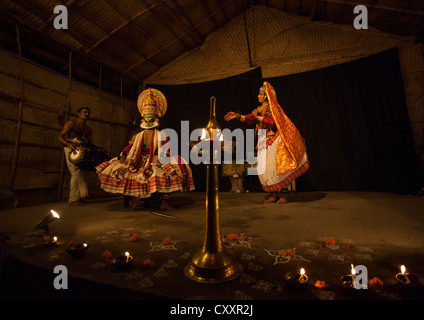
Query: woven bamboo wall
{"x": 34, "y": 104}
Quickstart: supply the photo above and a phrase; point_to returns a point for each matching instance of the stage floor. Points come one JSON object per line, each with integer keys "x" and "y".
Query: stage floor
{"x": 380, "y": 231}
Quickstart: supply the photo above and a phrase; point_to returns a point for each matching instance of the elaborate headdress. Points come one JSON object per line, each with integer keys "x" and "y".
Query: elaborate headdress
{"x": 152, "y": 105}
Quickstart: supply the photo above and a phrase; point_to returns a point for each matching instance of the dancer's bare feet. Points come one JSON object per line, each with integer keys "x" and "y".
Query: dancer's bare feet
{"x": 271, "y": 198}
{"x": 165, "y": 205}
{"x": 282, "y": 200}
{"x": 135, "y": 203}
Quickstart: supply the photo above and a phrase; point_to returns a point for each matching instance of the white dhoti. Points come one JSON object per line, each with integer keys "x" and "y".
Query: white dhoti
{"x": 78, "y": 185}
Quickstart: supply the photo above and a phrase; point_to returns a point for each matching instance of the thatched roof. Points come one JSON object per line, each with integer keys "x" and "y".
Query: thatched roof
{"x": 132, "y": 39}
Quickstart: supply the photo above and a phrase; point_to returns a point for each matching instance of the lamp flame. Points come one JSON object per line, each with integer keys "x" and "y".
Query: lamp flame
{"x": 353, "y": 270}
{"x": 403, "y": 269}
{"x": 302, "y": 271}
{"x": 55, "y": 214}
{"x": 220, "y": 136}
{"x": 203, "y": 136}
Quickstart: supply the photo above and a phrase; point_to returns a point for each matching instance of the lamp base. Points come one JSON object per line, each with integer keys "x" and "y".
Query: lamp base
{"x": 205, "y": 267}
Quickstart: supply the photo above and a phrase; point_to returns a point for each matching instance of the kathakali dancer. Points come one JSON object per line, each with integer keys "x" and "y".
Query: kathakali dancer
{"x": 286, "y": 157}
{"x": 137, "y": 172}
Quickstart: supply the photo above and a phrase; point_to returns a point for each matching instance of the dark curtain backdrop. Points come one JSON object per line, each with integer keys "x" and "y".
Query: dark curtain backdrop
{"x": 353, "y": 117}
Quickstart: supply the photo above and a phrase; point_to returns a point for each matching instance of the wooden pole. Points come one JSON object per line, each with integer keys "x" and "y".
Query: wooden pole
{"x": 62, "y": 163}
{"x": 122, "y": 92}
{"x": 19, "y": 123}
{"x": 100, "y": 81}
{"x": 110, "y": 118}
{"x": 247, "y": 39}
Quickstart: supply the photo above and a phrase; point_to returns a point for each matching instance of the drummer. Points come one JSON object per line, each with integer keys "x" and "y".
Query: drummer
{"x": 74, "y": 132}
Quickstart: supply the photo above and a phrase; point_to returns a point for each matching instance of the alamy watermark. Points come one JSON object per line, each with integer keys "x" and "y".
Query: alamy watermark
{"x": 61, "y": 20}
{"x": 361, "y": 280}
{"x": 210, "y": 150}
{"x": 361, "y": 20}
{"x": 60, "y": 281}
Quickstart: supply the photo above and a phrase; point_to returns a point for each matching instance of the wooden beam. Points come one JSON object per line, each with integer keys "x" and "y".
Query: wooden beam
{"x": 205, "y": 6}
{"x": 62, "y": 163}
{"x": 142, "y": 31}
{"x": 176, "y": 39}
{"x": 122, "y": 25}
{"x": 122, "y": 92}
{"x": 108, "y": 36}
{"x": 247, "y": 39}
{"x": 100, "y": 81}
{"x": 223, "y": 12}
{"x": 39, "y": 33}
{"x": 36, "y": 105}
{"x": 20, "y": 109}
{"x": 187, "y": 25}
{"x": 165, "y": 23}
{"x": 69, "y": 83}
{"x": 314, "y": 6}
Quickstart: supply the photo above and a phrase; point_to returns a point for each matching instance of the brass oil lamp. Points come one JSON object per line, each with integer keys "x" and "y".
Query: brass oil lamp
{"x": 213, "y": 263}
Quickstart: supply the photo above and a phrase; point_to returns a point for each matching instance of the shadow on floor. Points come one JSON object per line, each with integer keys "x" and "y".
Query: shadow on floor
{"x": 19, "y": 281}
{"x": 306, "y": 196}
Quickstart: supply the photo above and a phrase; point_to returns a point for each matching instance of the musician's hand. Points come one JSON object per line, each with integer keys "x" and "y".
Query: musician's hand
{"x": 71, "y": 146}
{"x": 230, "y": 115}
{"x": 122, "y": 159}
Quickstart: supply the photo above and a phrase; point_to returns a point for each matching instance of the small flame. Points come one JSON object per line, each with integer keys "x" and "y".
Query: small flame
{"x": 84, "y": 244}
{"x": 302, "y": 271}
{"x": 403, "y": 269}
{"x": 203, "y": 136}
{"x": 127, "y": 254}
{"x": 353, "y": 270}
{"x": 55, "y": 214}
{"x": 54, "y": 238}
{"x": 220, "y": 136}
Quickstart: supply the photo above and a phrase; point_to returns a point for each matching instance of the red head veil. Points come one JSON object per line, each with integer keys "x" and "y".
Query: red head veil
{"x": 291, "y": 145}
